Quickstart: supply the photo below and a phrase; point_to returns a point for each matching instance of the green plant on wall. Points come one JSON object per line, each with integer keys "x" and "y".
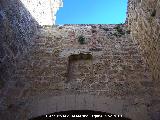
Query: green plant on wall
{"x": 81, "y": 39}
{"x": 106, "y": 29}
{"x": 119, "y": 30}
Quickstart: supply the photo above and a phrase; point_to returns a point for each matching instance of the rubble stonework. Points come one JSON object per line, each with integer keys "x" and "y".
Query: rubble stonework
{"x": 144, "y": 23}
{"x": 58, "y": 72}
{"x": 108, "y": 64}
{"x": 17, "y": 28}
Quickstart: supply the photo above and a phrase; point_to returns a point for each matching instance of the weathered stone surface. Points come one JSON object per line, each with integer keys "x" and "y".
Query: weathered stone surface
{"x": 49, "y": 70}
{"x": 143, "y": 22}
{"x": 16, "y": 32}
{"x": 61, "y": 65}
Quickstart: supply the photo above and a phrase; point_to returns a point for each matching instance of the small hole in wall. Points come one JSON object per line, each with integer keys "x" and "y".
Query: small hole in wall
{"x": 81, "y": 39}
{"x": 2, "y": 83}
{"x": 153, "y": 13}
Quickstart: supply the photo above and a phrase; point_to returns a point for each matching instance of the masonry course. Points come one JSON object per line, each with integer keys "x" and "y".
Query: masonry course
{"x": 55, "y": 72}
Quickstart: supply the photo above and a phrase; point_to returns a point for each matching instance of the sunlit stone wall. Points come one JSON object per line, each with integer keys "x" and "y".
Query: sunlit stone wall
{"x": 144, "y": 24}
{"x": 107, "y": 64}
{"x": 43, "y": 11}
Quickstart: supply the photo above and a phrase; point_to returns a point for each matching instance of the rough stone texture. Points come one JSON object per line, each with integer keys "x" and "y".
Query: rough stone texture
{"x": 17, "y": 27}
{"x": 107, "y": 65}
{"x": 144, "y": 23}
{"x": 54, "y": 71}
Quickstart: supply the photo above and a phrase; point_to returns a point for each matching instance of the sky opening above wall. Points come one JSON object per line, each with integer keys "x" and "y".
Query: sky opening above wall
{"x": 92, "y": 12}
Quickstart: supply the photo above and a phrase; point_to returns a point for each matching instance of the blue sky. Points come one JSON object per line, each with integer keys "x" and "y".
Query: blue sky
{"x": 92, "y": 12}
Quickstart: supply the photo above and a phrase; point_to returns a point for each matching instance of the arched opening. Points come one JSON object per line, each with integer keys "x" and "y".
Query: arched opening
{"x": 81, "y": 115}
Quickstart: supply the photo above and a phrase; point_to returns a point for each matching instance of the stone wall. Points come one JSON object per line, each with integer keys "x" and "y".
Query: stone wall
{"x": 107, "y": 67}
{"x": 144, "y": 23}
{"x": 17, "y": 27}
{"x": 75, "y": 67}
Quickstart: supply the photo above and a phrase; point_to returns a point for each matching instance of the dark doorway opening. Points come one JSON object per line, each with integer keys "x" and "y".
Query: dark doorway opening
{"x": 80, "y": 115}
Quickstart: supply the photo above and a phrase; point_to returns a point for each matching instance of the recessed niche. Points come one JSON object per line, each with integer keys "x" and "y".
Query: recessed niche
{"x": 79, "y": 70}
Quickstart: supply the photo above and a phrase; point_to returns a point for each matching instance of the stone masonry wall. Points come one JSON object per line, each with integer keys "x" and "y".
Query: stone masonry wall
{"x": 17, "y": 27}
{"x": 144, "y": 23}
{"x": 77, "y": 67}
{"x": 107, "y": 66}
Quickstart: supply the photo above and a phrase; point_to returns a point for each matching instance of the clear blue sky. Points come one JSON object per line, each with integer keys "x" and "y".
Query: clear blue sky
{"x": 92, "y": 12}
